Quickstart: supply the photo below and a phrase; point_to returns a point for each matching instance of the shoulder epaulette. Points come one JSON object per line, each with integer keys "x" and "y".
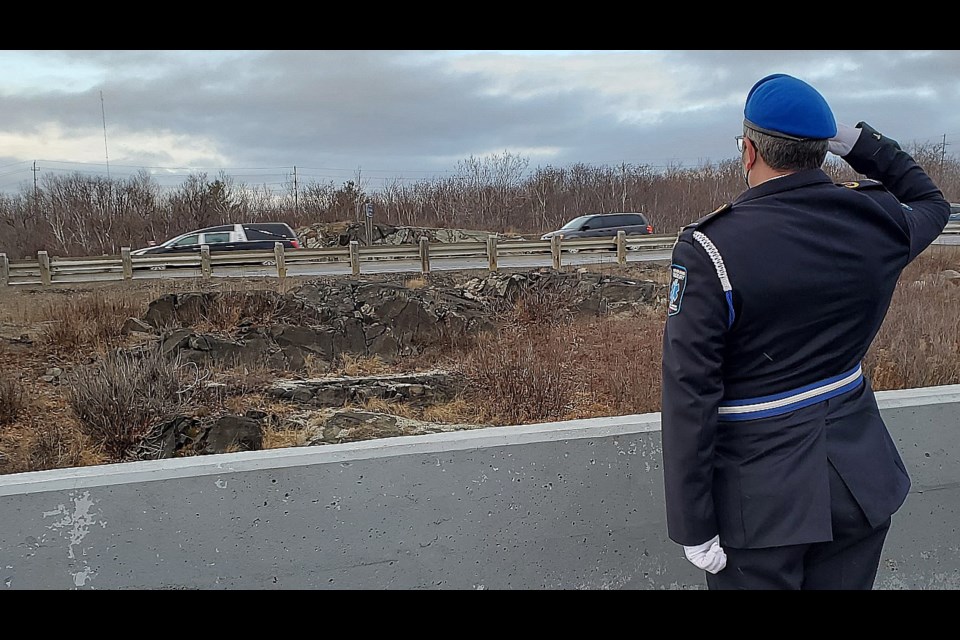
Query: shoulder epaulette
{"x": 865, "y": 183}
{"x": 693, "y": 226}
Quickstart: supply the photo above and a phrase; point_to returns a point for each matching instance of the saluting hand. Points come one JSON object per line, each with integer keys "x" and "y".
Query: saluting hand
{"x": 843, "y": 142}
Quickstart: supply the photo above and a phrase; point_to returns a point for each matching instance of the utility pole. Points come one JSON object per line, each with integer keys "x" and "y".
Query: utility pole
{"x": 296, "y": 193}
{"x": 35, "y": 195}
{"x": 103, "y": 114}
{"x": 943, "y": 153}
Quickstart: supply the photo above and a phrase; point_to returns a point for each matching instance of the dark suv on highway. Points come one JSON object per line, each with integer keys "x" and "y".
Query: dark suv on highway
{"x": 599, "y": 225}
{"x": 252, "y": 236}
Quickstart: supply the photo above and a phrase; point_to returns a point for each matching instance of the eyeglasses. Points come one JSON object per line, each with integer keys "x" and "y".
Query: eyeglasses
{"x": 739, "y": 140}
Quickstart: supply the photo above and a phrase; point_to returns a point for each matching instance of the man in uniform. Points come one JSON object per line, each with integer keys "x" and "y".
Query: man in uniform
{"x": 779, "y": 472}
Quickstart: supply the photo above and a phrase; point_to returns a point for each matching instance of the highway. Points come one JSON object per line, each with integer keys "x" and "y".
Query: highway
{"x": 105, "y": 269}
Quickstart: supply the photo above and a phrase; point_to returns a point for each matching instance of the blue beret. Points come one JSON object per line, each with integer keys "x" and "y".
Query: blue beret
{"x": 781, "y": 105}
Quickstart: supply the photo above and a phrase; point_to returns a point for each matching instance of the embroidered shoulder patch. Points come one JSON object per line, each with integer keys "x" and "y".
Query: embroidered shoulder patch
{"x": 866, "y": 183}
{"x": 678, "y": 282}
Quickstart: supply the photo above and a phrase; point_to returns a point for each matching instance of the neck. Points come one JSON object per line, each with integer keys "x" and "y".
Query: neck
{"x": 762, "y": 173}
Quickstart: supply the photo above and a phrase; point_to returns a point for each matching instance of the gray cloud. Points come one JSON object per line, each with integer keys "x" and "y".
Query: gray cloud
{"x": 413, "y": 113}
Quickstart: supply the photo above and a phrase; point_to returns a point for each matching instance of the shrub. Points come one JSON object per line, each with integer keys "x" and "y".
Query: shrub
{"x": 542, "y": 303}
{"x": 119, "y": 398}
{"x": 11, "y": 400}
{"x": 522, "y": 374}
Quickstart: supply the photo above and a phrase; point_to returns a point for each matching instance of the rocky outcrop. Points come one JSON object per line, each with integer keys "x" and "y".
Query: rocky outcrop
{"x": 320, "y": 322}
{"x": 325, "y": 319}
{"x": 583, "y": 292}
{"x": 335, "y": 426}
{"x": 411, "y": 389}
{"x": 340, "y": 234}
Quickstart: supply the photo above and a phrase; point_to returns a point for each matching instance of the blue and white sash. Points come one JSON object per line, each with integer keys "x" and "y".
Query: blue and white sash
{"x": 779, "y": 403}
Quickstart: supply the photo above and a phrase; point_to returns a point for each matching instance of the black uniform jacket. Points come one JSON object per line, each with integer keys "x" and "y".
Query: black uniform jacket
{"x": 805, "y": 275}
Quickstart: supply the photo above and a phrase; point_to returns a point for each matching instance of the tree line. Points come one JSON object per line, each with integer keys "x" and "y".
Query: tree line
{"x": 82, "y": 215}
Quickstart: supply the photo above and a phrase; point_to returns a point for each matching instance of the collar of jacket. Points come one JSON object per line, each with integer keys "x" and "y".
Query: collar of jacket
{"x": 786, "y": 183}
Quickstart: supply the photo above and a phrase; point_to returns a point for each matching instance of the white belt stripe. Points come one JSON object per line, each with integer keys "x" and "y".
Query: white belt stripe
{"x": 775, "y": 404}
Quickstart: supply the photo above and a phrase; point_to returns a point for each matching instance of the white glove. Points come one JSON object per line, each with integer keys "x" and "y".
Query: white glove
{"x": 843, "y": 142}
{"x": 708, "y": 556}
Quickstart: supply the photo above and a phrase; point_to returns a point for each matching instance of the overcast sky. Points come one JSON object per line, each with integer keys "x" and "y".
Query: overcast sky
{"x": 380, "y": 116}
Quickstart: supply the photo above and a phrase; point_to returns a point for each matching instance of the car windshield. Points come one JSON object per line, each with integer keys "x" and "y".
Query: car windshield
{"x": 575, "y": 224}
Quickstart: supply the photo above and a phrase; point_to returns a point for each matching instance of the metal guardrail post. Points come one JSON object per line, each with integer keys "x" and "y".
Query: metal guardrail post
{"x": 492, "y": 252}
{"x": 424, "y": 254}
{"x": 127, "y": 263}
{"x": 622, "y": 247}
{"x": 555, "y": 251}
{"x": 281, "y": 260}
{"x": 205, "y": 267}
{"x": 4, "y": 270}
{"x": 355, "y": 257}
{"x": 44, "y": 259}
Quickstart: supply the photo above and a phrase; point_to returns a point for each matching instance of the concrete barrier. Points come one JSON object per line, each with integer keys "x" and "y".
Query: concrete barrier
{"x": 566, "y": 505}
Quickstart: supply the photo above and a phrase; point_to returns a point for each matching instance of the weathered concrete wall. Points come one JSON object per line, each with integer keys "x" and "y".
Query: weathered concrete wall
{"x": 570, "y": 505}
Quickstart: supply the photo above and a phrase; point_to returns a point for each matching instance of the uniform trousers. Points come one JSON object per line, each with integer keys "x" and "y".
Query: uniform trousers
{"x": 848, "y": 562}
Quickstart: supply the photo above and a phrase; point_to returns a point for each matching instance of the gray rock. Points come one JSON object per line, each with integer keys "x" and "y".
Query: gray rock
{"x": 234, "y": 433}
{"x": 135, "y": 325}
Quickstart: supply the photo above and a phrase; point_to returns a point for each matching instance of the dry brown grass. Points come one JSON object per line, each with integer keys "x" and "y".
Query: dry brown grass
{"x": 919, "y": 342}
{"x": 538, "y": 372}
{"x": 86, "y": 321}
{"x": 280, "y": 438}
{"x": 227, "y": 310}
{"x": 460, "y": 410}
{"x": 393, "y": 407}
{"x": 356, "y": 365}
{"x": 416, "y": 282}
{"x": 45, "y": 436}
{"x": 11, "y": 400}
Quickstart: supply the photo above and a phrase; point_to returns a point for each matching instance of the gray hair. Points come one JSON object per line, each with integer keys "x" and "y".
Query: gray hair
{"x": 786, "y": 154}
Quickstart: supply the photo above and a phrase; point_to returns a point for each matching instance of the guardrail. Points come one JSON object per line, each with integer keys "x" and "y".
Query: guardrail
{"x": 47, "y": 270}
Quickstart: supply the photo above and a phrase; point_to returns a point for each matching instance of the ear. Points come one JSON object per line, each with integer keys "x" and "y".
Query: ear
{"x": 751, "y": 153}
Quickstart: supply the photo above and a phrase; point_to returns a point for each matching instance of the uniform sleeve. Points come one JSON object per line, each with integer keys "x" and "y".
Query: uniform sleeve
{"x": 692, "y": 388}
{"x": 924, "y": 207}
